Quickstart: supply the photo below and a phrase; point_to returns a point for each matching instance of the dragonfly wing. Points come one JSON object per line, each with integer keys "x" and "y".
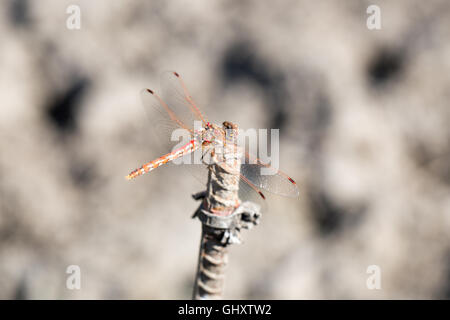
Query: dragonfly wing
{"x": 266, "y": 177}
{"x": 176, "y": 95}
{"x": 173, "y": 109}
{"x": 167, "y": 129}
{"x": 276, "y": 183}
{"x": 198, "y": 170}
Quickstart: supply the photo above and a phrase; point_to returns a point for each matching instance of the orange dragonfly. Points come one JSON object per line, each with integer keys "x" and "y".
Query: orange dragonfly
{"x": 178, "y": 111}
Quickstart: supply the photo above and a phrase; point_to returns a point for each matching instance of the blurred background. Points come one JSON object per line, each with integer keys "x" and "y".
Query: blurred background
{"x": 364, "y": 130}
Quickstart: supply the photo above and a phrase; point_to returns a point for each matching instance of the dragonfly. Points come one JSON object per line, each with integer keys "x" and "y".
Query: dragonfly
{"x": 176, "y": 109}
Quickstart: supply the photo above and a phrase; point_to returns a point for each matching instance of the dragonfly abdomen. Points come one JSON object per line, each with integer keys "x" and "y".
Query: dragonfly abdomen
{"x": 152, "y": 165}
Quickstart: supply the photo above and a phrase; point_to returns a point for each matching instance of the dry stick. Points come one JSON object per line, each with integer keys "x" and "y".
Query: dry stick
{"x": 213, "y": 258}
{"x": 222, "y": 217}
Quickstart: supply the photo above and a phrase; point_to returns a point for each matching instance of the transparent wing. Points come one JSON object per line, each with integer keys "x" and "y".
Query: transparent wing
{"x": 173, "y": 109}
{"x": 247, "y": 190}
{"x": 267, "y": 178}
{"x": 163, "y": 124}
{"x": 261, "y": 176}
{"x": 174, "y": 99}
{"x": 176, "y": 95}
{"x": 197, "y": 170}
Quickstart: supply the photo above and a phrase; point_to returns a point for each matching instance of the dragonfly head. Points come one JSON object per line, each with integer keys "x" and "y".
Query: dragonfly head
{"x": 231, "y": 130}
{"x": 229, "y": 125}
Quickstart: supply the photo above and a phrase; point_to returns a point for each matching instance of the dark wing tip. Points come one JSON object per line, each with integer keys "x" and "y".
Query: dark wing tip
{"x": 262, "y": 195}
{"x": 176, "y": 74}
{"x": 150, "y": 91}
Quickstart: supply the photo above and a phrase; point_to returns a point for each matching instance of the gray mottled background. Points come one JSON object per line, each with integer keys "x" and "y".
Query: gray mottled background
{"x": 364, "y": 119}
